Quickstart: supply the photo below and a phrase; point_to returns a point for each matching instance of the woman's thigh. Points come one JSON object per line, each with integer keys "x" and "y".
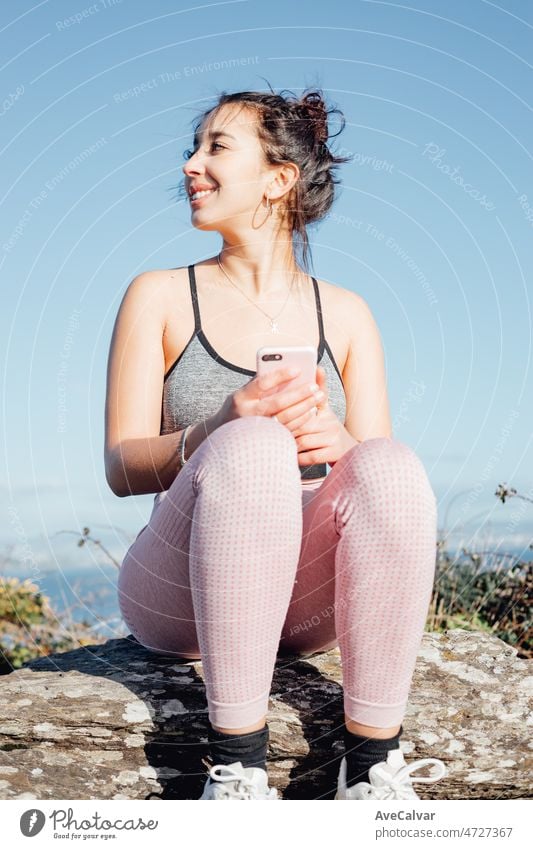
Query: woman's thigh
{"x": 154, "y": 590}
{"x": 155, "y": 594}
{"x": 154, "y": 586}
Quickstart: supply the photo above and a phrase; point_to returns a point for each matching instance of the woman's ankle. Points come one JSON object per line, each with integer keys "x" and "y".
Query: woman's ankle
{"x": 249, "y": 748}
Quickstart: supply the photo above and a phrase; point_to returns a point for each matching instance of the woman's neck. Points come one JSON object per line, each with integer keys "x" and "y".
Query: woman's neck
{"x": 259, "y": 270}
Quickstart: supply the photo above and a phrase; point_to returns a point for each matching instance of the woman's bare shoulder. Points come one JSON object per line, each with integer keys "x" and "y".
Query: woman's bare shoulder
{"x": 349, "y": 313}
{"x": 335, "y": 290}
{"x": 162, "y": 277}
{"x": 340, "y": 299}
{"x": 164, "y": 282}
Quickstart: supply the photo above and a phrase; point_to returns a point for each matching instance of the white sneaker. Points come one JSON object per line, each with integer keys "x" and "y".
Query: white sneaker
{"x": 233, "y": 781}
{"x": 389, "y": 779}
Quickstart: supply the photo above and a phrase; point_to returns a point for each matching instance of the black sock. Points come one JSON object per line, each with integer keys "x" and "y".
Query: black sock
{"x": 362, "y": 752}
{"x": 250, "y": 748}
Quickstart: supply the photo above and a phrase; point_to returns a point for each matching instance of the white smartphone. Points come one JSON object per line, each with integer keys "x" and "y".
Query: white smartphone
{"x": 272, "y": 358}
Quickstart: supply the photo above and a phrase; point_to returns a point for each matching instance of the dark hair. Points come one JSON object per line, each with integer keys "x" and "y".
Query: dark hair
{"x": 293, "y": 129}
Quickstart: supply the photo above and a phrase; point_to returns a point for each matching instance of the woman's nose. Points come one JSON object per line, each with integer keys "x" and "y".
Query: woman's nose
{"x": 193, "y": 165}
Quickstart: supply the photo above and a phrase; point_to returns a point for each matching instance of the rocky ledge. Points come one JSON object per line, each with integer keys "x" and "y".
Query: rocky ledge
{"x": 115, "y": 721}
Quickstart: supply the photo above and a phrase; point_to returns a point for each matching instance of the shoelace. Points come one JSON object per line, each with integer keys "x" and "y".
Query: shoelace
{"x": 398, "y": 786}
{"x": 244, "y": 787}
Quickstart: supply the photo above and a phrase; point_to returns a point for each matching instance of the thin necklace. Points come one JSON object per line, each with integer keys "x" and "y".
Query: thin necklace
{"x": 272, "y": 320}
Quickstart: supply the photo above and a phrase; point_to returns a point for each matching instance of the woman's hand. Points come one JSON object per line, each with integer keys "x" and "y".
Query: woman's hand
{"x": 272, "y": 395}
{"x": 322, "y": 438}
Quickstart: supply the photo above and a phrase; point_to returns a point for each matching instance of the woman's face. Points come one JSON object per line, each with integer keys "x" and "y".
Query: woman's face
{"x": 227, "y": 161}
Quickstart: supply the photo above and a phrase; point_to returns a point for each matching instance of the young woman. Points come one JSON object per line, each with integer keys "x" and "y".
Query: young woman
{"x": 253, "y": 549}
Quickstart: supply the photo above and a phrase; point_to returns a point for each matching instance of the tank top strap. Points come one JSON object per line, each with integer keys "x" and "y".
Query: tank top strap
{"x": 194, "y": 299}
{"x": 319, "y": 314}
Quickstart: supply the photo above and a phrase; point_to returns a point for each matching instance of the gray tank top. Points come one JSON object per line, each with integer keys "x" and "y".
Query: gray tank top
{"x": 197, "y": 383}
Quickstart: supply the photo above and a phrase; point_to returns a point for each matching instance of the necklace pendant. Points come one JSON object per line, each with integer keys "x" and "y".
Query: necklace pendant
{"x": 274, "y": 326}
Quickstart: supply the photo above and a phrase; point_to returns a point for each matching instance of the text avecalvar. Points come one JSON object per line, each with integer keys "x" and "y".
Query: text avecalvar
{"x": 405, "y": 815}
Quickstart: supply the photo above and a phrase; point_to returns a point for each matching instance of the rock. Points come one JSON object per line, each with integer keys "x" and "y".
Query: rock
{"x": 115, "y": 721}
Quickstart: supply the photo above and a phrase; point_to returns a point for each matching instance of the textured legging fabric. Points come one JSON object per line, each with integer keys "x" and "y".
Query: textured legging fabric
{"x": 240, "y": 564}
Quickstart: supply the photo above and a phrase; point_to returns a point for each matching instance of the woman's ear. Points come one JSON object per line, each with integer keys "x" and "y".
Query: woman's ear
{"x": 287, "y": 176}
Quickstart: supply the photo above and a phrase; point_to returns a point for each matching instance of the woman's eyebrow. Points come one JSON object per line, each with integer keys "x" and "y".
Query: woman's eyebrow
{"x": 215, "y": 134}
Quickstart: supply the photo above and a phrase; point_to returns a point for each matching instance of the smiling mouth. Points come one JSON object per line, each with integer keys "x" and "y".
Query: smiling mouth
{"x": 198, "y": 196}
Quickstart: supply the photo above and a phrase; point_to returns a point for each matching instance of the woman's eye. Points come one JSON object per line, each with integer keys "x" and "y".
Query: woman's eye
{"x": 190, "y": 153}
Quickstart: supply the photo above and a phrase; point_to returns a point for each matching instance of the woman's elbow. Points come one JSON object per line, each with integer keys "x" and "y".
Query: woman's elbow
{"x": 114, "y": 480}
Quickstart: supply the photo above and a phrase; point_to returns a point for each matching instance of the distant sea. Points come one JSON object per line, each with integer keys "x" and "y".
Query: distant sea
{"x": 86, "y": 595}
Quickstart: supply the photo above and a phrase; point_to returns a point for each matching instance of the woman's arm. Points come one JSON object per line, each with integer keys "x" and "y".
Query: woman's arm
{"x": 149, "y": 464}
{"x": 137, "y": 459}
{"x": 364, "y": 376}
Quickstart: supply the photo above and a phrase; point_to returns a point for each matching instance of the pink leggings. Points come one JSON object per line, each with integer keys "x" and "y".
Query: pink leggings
{"x": 241, "y": 562}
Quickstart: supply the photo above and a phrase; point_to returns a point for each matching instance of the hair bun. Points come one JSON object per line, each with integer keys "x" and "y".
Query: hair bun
{"x": 315, "y": 110}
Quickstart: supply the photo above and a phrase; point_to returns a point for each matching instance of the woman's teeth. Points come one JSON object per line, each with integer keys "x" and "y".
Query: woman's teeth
{"x": 197, "y": 195}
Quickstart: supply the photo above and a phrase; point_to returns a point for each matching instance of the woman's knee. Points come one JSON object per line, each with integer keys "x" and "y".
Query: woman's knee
{"x": 252, "y": 426}
{"x": 410, "y": 466}
{"x": 385, "y": 453}
{"x": 385, "y": 458}
{"x": 250, "y": 441}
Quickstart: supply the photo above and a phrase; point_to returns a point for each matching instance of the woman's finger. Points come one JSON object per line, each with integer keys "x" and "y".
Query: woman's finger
{"x": 278, "y": 377}
{"x": 303, "y": 420}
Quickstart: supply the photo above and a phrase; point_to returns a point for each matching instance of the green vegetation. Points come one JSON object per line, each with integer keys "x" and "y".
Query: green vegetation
{"x": 29, "y": 628}
{"x": 497, "y": 601}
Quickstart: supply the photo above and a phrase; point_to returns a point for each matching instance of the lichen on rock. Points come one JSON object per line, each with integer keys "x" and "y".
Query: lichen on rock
{"x": 121, "y": 722}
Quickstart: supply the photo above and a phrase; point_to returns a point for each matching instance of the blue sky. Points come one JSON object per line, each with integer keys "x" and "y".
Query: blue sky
{"x": 432, "y": 225}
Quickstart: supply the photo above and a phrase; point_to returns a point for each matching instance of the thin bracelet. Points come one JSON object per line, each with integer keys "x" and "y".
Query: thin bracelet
{"x": 181, "y": 446}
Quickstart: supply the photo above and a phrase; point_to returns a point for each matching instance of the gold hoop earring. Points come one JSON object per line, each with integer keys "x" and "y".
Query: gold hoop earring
{"x": 269, "y": 206}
